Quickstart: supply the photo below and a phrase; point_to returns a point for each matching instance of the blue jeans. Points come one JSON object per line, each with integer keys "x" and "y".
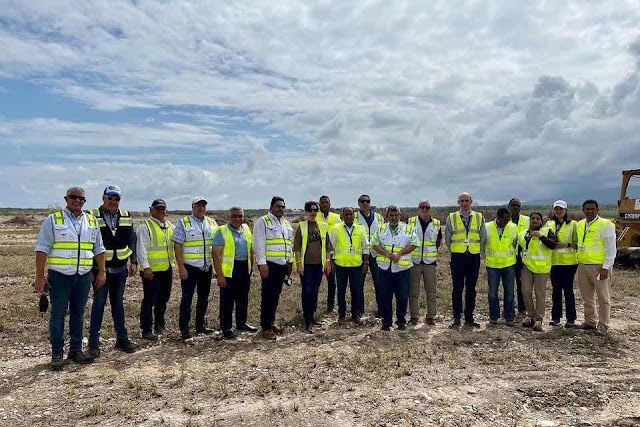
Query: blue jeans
{"x": 507, "y": 275}
{"x": 197, "y": 281}
{"x": 352, "y": 276}
{"x": 311, "y": 280}
{"x": 70, "y": 291}
{"x": 114, "y": 286}
{"x": 391, "y": 284}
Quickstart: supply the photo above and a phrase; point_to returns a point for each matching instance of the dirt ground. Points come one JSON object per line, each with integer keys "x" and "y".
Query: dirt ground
{"x": 343, "y": 375}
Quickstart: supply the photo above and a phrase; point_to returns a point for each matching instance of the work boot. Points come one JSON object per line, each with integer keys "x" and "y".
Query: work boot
{"x": 229, "y": 334}
{"x": 429, "y": 321}
{"x": 528, "y": 322}
{"x": 455, "y": 324}
{"x": 493, "y": 322}
{"x": 510, "y": 323}
{"x": 204, "y": 330}
{"x": 341, "y": 318}
{"x": 94, "y": 352}
{"x": 277, "y": 329}
{"x": 586, "y": 327}
{"x": 471, "y": 324}
{"x": 185, "y": 335}
{"x": 79, "y": 357}
{"x": 537, "y": 326}
{"x": 356, "y": 320}
{"x": 149, "y": 336}
{"x": 57, "y": 362}
{"x": 314, "y": 322}
{"x": 126, "y": 346}
{"x": 571, "y": 324}
{"x": 269, "y": 335}
{"x": 414, "y": 320}
{"x": 402, "y": 327}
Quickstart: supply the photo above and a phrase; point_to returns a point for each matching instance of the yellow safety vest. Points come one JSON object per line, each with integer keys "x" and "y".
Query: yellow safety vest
{"x": 124, "y": 220}
{"x": 72, "y": 253}
{"x": 463, "y": 239}
{"x": 500, "y": 251}
{"x": 347, "y": 250}
{"x": 229, "y": 251}
{"x": 197, "y": 246}
{"x": 278, "y": 244}
{"x": 563, "y": 256}
{"x": 304, "y": 231}
{"x": 523, "y": 223}
{"x": 536, "y": 257}
{"x": 591, "y": 248}
{"x": 160, "y": 252}
{"x": 331, "y": 219}
{"x": 427, "y": 251}
{"x": 385, "y": 262}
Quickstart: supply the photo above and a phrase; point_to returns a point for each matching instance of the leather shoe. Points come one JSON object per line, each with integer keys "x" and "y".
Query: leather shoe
{"x": 57, "y": 362}
{"x": 402, "y": 327}
{"x": 79, "y": 357}
{"x": 247, "y": 328}
{"x": 356, "y": 320}
{"x": 94, "y": 352}
{"x": 316, "y": 323}
{"x": 269, "y": 335}
{"x": 413, "y": 320}
{"x": 472, "y": 324}
{"x": 185, "y": 335}
{"x": 429, "y": 321}
{"x": 204, "y": 330}
{"x": 229, "y": 334}
{"x": 149, "y": 336}
{"x": 455, "y": 324}
{"x": 126, "y": 346}
{"x": 276, "y": 329}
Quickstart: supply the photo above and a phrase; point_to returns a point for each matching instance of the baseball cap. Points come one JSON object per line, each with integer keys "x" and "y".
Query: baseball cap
{"x": 560, "y": 204}
{"x": 158, "y": 203}
{"x": 112, "y": 190}
{"x": 198, "y": 199}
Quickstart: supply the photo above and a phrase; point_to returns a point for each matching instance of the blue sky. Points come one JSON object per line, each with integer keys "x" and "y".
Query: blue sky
{"x": 240, "y": 101}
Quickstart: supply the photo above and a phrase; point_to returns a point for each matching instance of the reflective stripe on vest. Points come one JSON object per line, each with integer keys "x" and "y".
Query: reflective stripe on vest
{"x": 383, "y": 261}
{"x": 72, "y": 253}
{"x": 591, "y": 248}
{"x": 304, "y": 231}
{"x": 342, "y": 253}
{"x": 229, "y": 251}
{"x": 277, "y": 244}
{"x": 331, "y": 219}
{"x": 537, "y": 257}
{"x": 160, "y": 251}
{"x": 124, "y": 220}
{"x": 499, "y": 251}
{"x": 461, "y": 239}
{"x": 196, "y": 248}
{"x": 427, "y": 251}
{"x": 563, "y": 256}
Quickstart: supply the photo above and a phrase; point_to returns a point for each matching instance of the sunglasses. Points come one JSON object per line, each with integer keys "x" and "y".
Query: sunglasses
{"x": 425, "y": 207}
{"x": 112, "y": 198}
{"x": 312, "y": 210}
{"x": 364, "y": 201}
{"x": 74, "y": 197}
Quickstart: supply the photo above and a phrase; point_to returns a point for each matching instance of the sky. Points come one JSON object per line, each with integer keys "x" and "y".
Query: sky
{"x": 239, "y": 101}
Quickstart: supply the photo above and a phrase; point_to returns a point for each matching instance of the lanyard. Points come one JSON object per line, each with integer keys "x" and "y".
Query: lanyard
{"x": 587, "y": 227}
{"x": 349, "y": 234}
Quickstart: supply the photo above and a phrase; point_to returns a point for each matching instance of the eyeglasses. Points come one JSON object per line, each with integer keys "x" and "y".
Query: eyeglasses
{"x": 425, "y": 207}
{"x": 112, "y": 198}
{"x": 74, "y": 197}
{"x": 364, "y": 201}
{"x": 312, "y": 210}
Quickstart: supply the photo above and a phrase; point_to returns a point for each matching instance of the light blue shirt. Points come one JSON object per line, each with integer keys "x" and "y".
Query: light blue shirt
{"x": 46, "y": 237}
{"x": 239, "y": 240}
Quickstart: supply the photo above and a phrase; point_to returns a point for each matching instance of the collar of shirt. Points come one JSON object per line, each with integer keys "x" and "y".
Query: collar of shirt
{"x": 594, "y": 220}
{"x": 346, "y": 227}
{"x": 162, "y": 224}
{"x": 72, "y": 215}
{"x": 237, "y": 230}
{"x": 463, "y": 215}
{"x": 425, "y": 222}
{"x": 275, "y": 219}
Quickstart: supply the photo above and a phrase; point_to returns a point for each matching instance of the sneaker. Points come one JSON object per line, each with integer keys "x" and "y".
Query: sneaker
{"x": 57, "y": 362}
{"x": 149, "y": 336}
{"x": 429, "y": 321}
{"x": 537, "y": 326}
{"x": 555, "y": 322}
{"x": 402, "y": 327}
{"x": 356, "y": 320}
{"x": 126, "y": 346}
{"x": 471, "y": 324}
{"x": 79, "y": 357}
{"x": 455, "y": 324}
{"x": 94, "y": 352}
{"x": 229, "y": 334}
{"x": 510, "y": 323}
{"x": 269, "y": 335}
{"x": 247, "y": 328}
{"x": 204, "y": 330}
{"x": 493, "y": 322}
{"x": 528, "y": 322}
{"x": 570, "y": 324}
{"x": 414, "y": 320}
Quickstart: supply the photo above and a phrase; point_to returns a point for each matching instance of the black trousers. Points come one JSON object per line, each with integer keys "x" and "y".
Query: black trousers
{"x": 155, "y": 295}
{"x": 562, "y": 282}
{"x": 236, "y": 292}
{"x": 519, "y": 297}
{"x": 270, "y": 294}
{"x": 200, "y": 281}
{"x": 464, "y": 274}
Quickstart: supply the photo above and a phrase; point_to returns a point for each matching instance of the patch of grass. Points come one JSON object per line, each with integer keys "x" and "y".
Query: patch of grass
{"x": 192, "y": 409}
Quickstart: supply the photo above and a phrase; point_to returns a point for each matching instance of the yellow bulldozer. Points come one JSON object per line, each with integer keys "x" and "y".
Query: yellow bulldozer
{"x": 628, "y": 221}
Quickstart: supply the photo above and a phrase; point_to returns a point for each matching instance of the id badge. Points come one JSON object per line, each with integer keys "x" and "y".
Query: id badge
{"x": 525, "y": 254}
{"x": 466, "y": 242}
{"x": 352, "y": 250}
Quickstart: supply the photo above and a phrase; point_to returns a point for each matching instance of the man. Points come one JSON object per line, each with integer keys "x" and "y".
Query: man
{"x": 156, "y": 262}
{"x": 233, "y": 258}
{"x": 68, "y": 243}
{"x": 499, "y": 252}
{"x": 596, "y": 254}
{"x": 272, "y": 238}
{"x": 193, "y": 240}
{"x": 394, "y": 244}
{"x": 351, "y": 259}
{"x": 119, "y": 240}
{"x": 330, "y": 219}
{"x": 429, "y": 234}
{"x": 464, "y": 235}
{"x": 371, "y": 221}
{"x": 522, "y": 223}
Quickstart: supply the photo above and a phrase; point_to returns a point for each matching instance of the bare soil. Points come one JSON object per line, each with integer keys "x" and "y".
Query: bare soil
{"x": 343, "y": 375}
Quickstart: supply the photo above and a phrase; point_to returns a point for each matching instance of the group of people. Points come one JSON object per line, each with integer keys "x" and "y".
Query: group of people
{"x": 77, "y": 250}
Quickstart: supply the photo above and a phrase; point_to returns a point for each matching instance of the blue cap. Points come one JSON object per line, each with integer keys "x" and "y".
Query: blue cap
{"x": 112, "y": 190}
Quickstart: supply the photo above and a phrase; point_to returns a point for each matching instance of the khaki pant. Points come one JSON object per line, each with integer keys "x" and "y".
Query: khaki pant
{"x": 426, "y": 272}
{"x": 534, "y": 283}
{"x": 590, "y": 285}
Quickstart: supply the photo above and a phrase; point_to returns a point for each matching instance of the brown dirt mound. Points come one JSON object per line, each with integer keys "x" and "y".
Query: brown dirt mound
{"x": 22, "y": 221}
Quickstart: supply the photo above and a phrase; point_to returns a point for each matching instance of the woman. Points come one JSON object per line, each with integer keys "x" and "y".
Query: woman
{"x": 536, "y": 245}
{"x": 312, "y": 251}
{"x": 564, "y": 264}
